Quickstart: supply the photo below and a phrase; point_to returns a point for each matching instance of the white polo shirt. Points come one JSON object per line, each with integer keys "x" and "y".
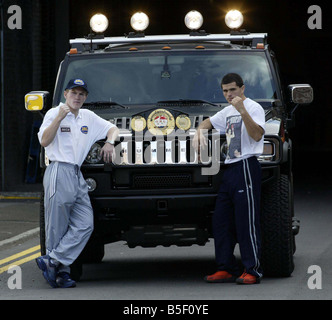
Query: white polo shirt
{"x": 75, "y": 136}
{"x": 240, "y": 144}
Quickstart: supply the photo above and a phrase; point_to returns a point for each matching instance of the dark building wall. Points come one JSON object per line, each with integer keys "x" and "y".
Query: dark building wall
{"x": 18, "y": 63}
{"x": 30, "y": 63}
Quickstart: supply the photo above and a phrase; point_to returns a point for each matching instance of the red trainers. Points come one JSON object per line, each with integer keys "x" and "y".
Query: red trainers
{"x": 247, "y": 278}
{"x": 220, "y": 277}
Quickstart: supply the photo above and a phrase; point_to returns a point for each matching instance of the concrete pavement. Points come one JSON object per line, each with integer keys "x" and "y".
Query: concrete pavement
{"x": 19, "y": 216}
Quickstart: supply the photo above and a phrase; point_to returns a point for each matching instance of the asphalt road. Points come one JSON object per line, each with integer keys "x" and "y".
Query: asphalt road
{"x": 174, "y": 273}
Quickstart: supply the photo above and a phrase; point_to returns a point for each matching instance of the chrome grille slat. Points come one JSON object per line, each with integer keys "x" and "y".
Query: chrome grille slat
{"x": 153, "y": 152}
{"x": 168, "y": 152}
{"x": 139, "y": 152}
{"x": 124, "y": 153}
{"x": 183, "y": 151}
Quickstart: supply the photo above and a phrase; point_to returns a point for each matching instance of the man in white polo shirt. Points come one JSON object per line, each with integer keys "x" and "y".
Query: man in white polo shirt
{"x": 236, "y": 215}
{"x": 67, "y": 134}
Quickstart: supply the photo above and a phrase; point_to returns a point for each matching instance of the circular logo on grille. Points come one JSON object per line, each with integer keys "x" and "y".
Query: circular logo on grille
{"x": 138, "y": 123}
{"x": 161, "y": 122}
{"x": 183, "y": 122}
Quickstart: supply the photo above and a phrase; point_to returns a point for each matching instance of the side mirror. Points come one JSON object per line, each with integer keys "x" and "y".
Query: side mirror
{"x": 36, "y": 100}
{"x": 301, "y": 93}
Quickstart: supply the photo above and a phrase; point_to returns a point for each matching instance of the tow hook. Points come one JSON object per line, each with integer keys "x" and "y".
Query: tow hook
{"x": 295, "y": 226}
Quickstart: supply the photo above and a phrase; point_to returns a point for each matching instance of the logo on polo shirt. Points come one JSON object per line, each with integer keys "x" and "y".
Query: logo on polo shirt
{"x": 84, "y": 129}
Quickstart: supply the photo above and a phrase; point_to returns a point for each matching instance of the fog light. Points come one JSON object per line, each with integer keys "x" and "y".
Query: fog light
{"x": 92, "y": 184}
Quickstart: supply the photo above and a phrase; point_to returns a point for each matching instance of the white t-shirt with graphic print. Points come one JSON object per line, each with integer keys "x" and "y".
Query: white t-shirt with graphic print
{"x": 240, "y": 145}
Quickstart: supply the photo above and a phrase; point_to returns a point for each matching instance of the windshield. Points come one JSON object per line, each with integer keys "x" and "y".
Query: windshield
{"x": 146, "y": 78}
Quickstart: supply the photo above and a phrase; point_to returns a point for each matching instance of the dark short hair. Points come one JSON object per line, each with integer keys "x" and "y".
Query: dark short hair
{"x": 232, "y": 77}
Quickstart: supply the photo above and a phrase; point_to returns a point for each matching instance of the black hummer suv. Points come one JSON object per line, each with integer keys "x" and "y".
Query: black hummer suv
{"x": 157, "y": 89}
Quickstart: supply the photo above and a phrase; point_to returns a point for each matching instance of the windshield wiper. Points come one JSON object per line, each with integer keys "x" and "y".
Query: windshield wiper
{"x": 104, "y": 103}
{"x": 187, "y": 101}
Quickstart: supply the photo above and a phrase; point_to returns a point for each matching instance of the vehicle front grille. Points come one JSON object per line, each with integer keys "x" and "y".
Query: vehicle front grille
{"x": 176, "y": 151}
{"x": 164, "y": 181}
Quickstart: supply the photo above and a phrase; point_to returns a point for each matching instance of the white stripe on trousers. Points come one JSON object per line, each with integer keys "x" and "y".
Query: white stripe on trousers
{"x": 53, "y": 176}
{"x": 251, "y": 208}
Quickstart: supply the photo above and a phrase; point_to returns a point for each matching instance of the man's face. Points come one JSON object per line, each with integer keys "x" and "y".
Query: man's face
{"x": 232, "y": 90}
{"x": 75, "y": 98}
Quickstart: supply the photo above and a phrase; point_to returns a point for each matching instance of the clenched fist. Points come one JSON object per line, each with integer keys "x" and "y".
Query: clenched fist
{"x": 237, "y": 103}
{"x": 63, "y": 111}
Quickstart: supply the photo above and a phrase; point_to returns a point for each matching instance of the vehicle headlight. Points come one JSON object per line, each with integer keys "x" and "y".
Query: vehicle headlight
{"x": 139, "y": 21}
{"x": 234, "y": 19}
{"x": 193, "y": 20}
{"x": 94, "y": 155}
{"x": 98, "y": 23}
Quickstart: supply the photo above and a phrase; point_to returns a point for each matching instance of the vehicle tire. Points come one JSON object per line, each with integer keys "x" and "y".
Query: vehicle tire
{"x": 276, "y": 225}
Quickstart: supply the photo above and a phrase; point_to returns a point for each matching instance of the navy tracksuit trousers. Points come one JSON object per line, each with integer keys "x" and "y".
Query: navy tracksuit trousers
{"x": 236, "y": 217}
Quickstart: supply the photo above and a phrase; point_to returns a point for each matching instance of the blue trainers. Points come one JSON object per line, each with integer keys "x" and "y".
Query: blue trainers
{"x": 63, "y": 280}
{"x": 49, "y": 269}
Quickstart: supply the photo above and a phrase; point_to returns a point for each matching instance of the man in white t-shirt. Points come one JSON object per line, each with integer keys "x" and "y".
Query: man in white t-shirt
{"x": 67, "y": 134}
{"x": 236, "y": 215}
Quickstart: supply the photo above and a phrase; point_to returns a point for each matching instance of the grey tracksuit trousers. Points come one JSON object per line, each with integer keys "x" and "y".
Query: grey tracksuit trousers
{"x": 68, "y": 212}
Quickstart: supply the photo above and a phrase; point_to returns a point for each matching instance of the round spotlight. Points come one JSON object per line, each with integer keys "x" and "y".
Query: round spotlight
{"x": 139, "y": 21}
{"x": 98, "y": 23}
{"x": 193, "y": 20}
{"x": 234, "y": 19}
